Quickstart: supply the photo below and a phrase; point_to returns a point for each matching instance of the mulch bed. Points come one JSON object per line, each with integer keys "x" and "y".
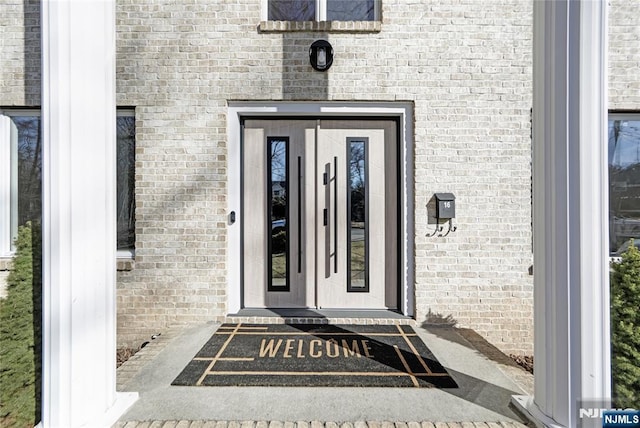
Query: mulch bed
{"x": 123, "y": 354}
{"x": 524, "y": 361}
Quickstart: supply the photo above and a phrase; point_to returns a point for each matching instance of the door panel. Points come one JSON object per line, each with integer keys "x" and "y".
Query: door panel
{"x": 350, "y": 243}
{"x": 254, "y": 226}
{"x": 320, "y": 213}
{"x": 278, "y": 270}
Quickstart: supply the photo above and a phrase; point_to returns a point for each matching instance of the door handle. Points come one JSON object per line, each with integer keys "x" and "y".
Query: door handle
{"x": 326, "y": 230}
{"x": 299, "y": 214}
{"x": 335, "y": 214}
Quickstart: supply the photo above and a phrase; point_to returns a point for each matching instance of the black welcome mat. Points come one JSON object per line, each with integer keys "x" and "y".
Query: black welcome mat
{"x": 315, "y": 355}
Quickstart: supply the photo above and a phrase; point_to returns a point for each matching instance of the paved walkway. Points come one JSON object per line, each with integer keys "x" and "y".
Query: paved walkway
{"x": 486, "y": 378}
{"x": 314, "y": 424}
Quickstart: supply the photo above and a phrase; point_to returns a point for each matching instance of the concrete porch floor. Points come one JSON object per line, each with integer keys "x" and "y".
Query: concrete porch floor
{"x": 487, "y": 379}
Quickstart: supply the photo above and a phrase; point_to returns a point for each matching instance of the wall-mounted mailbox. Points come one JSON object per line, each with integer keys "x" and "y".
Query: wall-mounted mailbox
{"x": 445, "y": 205}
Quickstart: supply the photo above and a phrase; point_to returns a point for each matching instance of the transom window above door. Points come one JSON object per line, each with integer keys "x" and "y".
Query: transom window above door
{"x": 322, "y": 10}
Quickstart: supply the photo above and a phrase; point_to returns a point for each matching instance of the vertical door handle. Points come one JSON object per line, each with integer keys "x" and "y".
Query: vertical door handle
{"x": 299, "y": 214}
{"x": 335, "y": 214}
{"x": 327, "y": 238}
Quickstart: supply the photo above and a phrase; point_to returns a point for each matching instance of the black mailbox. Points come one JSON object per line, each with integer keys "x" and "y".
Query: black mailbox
{"x": 445, "y": 205}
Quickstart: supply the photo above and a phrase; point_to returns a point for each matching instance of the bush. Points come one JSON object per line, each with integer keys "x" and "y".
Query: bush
{"x": 625, "y": 329}
{"x": 20, "y": 335}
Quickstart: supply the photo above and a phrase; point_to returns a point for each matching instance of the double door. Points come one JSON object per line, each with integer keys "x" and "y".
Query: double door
{"x": 320, "y": 215}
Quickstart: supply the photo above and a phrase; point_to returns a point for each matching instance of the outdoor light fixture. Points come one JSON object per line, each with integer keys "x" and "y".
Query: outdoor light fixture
{"x": 321, "y": 55}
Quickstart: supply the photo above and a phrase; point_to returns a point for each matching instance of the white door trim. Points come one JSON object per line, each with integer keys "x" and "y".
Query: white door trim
{"x": 402, "y": 110}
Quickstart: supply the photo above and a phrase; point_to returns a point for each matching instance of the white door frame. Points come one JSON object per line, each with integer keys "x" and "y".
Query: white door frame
{"x": 404, "y": 111}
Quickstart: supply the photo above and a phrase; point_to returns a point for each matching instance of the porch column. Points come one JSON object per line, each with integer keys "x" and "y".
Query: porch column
{"x": 79, "y": 221}
{"x": 571, "y": 275}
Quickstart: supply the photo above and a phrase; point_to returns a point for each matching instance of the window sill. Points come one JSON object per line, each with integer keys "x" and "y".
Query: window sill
{"x": 324, "y": 26}
{"x": 125, "y": 260}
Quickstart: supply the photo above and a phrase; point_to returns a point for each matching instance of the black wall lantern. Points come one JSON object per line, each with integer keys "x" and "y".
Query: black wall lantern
{"x": 321, "y": 55}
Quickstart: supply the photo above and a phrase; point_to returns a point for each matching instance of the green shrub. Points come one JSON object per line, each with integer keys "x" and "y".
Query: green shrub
{"x": 20, "y": 335}
{"x": 625, "y": 329}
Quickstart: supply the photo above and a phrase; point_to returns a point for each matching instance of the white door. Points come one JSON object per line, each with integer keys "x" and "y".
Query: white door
{"x": 320, "y": 214}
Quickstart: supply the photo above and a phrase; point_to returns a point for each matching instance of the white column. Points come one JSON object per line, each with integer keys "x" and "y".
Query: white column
{"x": 571, "y": 279}
{"x": 79, "y": 232}
{"x": 6, "y": 204}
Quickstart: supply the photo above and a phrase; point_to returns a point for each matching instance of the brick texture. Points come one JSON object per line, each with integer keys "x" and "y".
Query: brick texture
{"x": 624, "y": 55}
{"x": 20, "y": 52}
{"x": 311, "y": 424}
{"x": 465, "y": 66}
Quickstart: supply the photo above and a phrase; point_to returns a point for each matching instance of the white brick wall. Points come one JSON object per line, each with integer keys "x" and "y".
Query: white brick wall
{"x": 20, "y": 53}
{"x": 466, "y": 66}
{"x": 624, "y": 55}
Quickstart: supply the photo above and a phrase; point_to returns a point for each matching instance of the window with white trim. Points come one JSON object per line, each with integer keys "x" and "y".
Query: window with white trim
{"x": 21, "y": 176}
{"x": 125, "y": 167}
{"x": 624, "y": 181}
{"x": 321, "y": 10}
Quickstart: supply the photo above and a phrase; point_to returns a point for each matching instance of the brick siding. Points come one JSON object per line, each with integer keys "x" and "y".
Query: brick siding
{"x": 466, "y": 67}
{"x": 624, "y": 55}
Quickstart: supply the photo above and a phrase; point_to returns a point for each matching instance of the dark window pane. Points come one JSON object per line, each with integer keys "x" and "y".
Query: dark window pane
{"x": 278, "y": 208}
{"x": 29, "y": 168}
{"x": 292, "y": 10}
{"x": 624, "y": 184}
{"x": 125, "y": 199}
{"x": 350, "y": 10}
{"x": 29, "y": 176}
{"x": 357, "y": 206}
